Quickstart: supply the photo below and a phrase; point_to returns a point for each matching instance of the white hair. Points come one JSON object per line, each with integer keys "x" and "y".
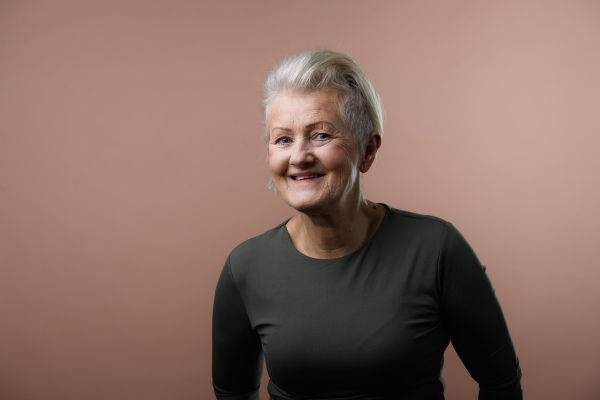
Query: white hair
{"x": 313, "y": 70}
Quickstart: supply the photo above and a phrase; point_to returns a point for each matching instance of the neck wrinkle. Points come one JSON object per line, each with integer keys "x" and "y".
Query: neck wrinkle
{"x": 328, "y": 238}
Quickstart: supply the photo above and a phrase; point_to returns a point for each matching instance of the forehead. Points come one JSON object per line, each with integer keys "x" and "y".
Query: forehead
{"x": 296, "y": 109}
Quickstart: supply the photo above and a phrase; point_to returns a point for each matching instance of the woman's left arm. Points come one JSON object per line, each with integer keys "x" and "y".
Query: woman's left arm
{"x": 474, "y": 320}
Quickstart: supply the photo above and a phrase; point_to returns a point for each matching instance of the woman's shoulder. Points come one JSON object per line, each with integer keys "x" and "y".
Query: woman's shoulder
{"x": 410, "y": 220}
{"x": 438, "y": 232}
{"x": 262, "y": 245}
{"x": 420, "y": 229}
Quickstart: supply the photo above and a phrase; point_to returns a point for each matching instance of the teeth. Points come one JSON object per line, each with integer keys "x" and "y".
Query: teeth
{"x": 299, "y": 178}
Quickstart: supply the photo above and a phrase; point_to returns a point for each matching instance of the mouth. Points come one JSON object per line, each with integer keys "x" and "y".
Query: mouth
{"x": 305, "y": 177}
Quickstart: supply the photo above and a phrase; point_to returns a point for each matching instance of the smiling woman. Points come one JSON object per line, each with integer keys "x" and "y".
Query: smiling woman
{"x": 314, "y": 160}
{"x": 315, "y": 165}
{"x": 349, "y": 299}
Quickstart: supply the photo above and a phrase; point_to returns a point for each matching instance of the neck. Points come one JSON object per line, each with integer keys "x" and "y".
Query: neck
{"x": 335, "y": 234}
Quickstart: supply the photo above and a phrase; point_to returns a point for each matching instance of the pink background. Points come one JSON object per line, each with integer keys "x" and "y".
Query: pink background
{"x": 132, "y": 162}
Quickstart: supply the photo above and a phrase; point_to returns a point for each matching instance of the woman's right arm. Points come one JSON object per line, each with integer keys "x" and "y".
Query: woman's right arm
{"x": 236, "y": 348}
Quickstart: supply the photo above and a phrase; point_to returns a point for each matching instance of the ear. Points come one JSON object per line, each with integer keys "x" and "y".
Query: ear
{"x": 371, "y": 148}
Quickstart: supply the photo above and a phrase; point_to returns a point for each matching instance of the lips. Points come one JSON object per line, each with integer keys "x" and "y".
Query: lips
{"x": 301, "y": 177}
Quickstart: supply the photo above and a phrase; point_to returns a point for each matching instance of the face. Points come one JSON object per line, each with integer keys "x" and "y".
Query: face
{"x": 315, "y": 162}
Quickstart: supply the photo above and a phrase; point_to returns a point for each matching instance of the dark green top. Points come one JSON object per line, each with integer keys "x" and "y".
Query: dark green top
{"x": 372, "y": 324}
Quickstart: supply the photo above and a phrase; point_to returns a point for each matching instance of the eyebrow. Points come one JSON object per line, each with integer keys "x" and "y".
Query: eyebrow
{"x": 321, "y": 122}
{"x": 282, "y": 128}
{"x": 309, "y": 126}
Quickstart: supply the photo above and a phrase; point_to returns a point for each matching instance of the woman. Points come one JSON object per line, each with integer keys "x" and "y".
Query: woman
{"x": 349, "y": 299}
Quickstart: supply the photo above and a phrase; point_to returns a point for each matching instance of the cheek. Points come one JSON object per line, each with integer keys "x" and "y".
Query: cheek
{"x": 276, "y": 162}
{"x": 343, "y": 157}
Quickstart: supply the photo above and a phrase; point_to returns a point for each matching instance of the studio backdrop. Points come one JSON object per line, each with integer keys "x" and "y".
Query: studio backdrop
{"x": 132, "y": 162}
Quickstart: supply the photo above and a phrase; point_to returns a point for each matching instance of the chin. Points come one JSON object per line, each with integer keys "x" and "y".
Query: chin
{"x": 305, "y": 207}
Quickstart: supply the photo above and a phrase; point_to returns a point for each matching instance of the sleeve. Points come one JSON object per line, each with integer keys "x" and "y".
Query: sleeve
{"x": 474, "y": 320}
{"x": 236, "y": 348}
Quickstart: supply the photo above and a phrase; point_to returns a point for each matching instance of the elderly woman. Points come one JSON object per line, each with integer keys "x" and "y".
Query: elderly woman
{"x": 349, "y": 299}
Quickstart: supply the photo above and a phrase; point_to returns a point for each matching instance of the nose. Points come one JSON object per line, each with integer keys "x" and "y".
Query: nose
{"x": 302, "y": 154}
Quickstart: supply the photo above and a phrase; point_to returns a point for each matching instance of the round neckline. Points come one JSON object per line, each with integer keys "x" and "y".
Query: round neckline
{"x": 296, "y": 252}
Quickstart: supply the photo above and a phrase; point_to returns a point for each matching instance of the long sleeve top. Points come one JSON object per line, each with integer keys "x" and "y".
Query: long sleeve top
{"x": 371, "y": 325}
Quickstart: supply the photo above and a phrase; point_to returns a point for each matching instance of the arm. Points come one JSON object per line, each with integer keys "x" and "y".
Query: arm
{"x": 475, "y": 322}
{"x": 236, "y": 348}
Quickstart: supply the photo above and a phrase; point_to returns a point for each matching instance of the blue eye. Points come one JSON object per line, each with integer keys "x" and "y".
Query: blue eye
{"x": 283, "y": 140}
{"x": 322, "y": 136}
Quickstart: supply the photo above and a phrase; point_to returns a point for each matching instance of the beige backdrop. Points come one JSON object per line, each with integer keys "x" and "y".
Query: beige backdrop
{"x": 131, "y": 163}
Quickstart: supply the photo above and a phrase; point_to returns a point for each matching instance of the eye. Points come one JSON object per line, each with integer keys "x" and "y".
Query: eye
{"x": 322, "y": 136}
{"x": 283, "y": 140}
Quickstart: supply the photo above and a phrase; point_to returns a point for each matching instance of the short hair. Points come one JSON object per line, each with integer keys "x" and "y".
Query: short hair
{"x": 316, "y": 69}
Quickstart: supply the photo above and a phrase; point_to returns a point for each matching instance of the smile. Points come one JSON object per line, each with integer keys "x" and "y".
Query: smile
{"x": 301, "y": 178}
